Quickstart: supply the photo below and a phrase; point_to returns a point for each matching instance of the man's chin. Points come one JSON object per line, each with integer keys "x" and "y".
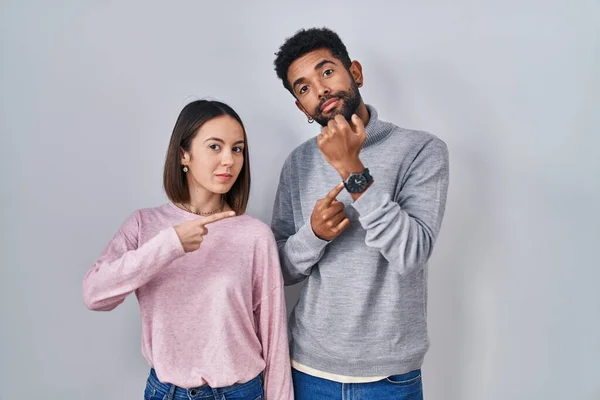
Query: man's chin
{"x": 338, "y": 112}
{"x": 331, "y": 115}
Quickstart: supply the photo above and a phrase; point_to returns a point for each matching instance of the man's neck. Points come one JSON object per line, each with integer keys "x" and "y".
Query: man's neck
{"x": 363, "y": 113}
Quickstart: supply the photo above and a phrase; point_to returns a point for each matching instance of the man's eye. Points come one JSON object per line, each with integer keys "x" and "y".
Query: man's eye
{"x": 327, "y": 72}
{"x": 303, "y": 89}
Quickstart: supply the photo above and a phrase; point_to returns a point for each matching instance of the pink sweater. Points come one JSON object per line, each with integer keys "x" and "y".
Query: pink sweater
{"x": 214, "y": 316}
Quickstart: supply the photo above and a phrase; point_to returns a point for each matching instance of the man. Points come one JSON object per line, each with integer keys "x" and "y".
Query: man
{"x": 359, "y": 329}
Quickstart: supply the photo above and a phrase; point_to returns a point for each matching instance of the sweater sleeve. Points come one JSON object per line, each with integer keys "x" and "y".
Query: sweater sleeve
{"x": 270, "y": 313}
{"x": 299, "y": 250}
{"x": 404, "y": 230}
{"x": 124, "y": 266}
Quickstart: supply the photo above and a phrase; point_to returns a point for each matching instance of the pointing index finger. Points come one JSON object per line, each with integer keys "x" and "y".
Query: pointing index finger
{"x": 330, "y": 197}
{"x": 216, "y": 217}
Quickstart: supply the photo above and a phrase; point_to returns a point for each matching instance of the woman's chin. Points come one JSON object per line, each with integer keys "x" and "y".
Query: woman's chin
{"x": 221, "y": 188}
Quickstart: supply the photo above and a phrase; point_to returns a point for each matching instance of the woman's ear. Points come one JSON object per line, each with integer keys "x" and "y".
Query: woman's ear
{"x": 185, "y": 157}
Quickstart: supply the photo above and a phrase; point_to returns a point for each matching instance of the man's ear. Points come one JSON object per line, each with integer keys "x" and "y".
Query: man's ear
{"x": 301, "y": 108}
{"x": 356, "y": 72}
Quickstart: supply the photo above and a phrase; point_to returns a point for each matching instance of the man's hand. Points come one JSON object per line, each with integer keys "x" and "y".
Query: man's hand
{"x": 328, "y": 219}
{"x": 341, "y": 142}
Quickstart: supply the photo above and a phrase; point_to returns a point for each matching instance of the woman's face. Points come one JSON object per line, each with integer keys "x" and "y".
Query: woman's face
{"x": 216, "y": 155}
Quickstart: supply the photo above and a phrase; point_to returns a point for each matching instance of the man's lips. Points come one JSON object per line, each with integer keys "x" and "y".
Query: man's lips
{"x": 329, "y": 104}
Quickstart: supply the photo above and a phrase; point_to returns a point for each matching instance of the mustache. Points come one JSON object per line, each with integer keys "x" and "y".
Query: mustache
{"x": 339, "y": 95}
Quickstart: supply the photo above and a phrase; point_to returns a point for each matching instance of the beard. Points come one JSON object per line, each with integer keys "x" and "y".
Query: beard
{"x": 350, "y": 101}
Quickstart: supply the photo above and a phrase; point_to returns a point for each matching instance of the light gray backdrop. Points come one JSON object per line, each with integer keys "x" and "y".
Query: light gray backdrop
{"x": 89, "y": 93}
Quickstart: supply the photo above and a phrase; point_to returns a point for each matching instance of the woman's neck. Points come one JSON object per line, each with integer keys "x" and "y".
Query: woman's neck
{"x": 203, "y": 201}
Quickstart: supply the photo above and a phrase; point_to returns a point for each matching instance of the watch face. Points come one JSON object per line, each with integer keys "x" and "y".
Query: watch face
{"x": 356, "y": 183}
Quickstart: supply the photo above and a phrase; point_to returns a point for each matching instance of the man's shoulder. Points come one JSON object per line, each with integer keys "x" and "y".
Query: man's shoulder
{"x": 415, "y": 143}
{"x": 415, "y": 137}
{"x": 308, "y": 149}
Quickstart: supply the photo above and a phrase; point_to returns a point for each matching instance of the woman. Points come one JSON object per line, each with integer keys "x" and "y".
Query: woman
{"x": 206, "y": 275}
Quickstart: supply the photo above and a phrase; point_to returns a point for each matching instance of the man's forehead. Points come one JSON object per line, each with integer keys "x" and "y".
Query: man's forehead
{"x": 308, "y": 61}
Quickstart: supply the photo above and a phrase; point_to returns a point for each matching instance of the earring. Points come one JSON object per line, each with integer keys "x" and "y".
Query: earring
{"x": 310, "y": 120}
{"x": 185, "y": 168}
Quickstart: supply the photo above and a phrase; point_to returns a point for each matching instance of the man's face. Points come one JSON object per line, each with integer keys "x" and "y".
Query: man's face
{"x": 323, "y": 87}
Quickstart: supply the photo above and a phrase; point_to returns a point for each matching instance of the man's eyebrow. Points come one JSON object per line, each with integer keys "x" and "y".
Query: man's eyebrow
{"x": 322, "y": 63}
{"x": 319, "y": 65}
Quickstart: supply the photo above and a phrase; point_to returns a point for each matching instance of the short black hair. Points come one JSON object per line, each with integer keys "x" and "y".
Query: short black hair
{"x": 304, "y": 41}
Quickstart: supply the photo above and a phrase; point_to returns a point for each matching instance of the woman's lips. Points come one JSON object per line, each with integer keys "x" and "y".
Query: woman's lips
{"x": 224, "y": 177}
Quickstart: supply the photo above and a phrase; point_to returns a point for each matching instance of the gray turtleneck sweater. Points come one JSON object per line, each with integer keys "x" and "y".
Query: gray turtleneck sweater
{"x": 363, "y": 310}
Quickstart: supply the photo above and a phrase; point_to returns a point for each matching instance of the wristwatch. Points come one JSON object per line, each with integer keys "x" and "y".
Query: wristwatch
{"x": 358, "y": 181}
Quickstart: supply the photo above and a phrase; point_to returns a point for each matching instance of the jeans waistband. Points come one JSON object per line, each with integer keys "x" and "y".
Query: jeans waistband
{"x": 201, "y": 392}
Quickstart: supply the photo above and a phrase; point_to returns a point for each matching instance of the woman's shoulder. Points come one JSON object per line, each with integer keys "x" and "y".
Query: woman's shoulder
{"x": 164, "y": 213}
{"x": 251, "y": 226}
{"x": 166, "y": 209}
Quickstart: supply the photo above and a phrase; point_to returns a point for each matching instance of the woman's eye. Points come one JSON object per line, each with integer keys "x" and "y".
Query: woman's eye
{"x": 238, "y": 149}
{"x": 215, "y": 147}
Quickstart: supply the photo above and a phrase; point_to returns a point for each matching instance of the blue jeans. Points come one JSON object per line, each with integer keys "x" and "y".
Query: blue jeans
{"x": 397, "y": 387}
{"x": 156, "y": 390}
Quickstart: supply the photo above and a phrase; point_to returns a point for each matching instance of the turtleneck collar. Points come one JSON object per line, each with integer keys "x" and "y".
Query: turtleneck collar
{"x": 376, "y": 130}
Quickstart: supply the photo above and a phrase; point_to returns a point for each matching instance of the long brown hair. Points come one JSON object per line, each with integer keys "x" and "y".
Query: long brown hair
{"x": 191, "y": 118}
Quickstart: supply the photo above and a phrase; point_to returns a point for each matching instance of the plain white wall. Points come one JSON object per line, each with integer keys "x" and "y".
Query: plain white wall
{"x": 89, "y": 93}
